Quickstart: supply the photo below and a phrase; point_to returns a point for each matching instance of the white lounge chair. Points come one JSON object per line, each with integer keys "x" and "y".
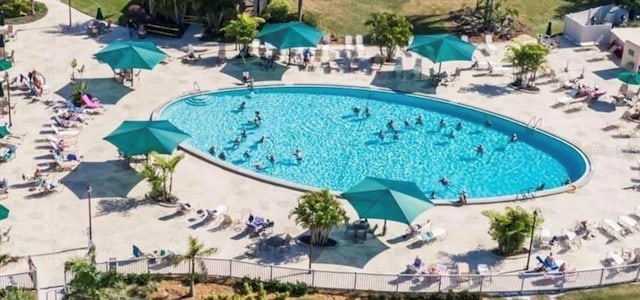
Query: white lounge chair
{"x": 488, "y": 41}
{"x": 435, "y": 234}
{"x": 573, "y": 240}
{"x": 348, "y": 43}
{"x": 614, "y": 258}
{"x": 465, "y": 38}
{"x": 637, "y": 211}
{"x": 629, "y": 224}
{"x": 545, "y": 238}
{"x": 612, "y": 228}
{"x": 497, "y": 70}
{"x": 64, "y": 132}
{"x": 417, "y": 69}
{"x": 360, "y": 49}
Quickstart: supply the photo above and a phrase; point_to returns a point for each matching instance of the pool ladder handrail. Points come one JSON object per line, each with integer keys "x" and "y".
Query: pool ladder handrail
{"x": 534, "y": 122}
{"x": 196, "y": 87}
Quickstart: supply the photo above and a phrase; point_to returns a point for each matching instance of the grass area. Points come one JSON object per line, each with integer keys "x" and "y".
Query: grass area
{"x": 342, "y": 17}
{"x": 618, "y": 292}
{"x": 111, "y": 9}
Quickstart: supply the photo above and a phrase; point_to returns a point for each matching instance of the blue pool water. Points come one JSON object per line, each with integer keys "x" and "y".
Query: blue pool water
{"x": 339, "y": 148}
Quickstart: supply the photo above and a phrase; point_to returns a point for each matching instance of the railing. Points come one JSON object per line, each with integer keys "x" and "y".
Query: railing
{"x": 521, "y": 283}
{"x": 25, "y": 280}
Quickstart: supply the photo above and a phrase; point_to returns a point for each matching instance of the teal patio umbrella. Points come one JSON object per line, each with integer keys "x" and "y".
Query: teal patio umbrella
{"x": 4, "y": 212}
{"x": 131, "y": 55}
{"x": 629, "y": 78}
{"x": 378, "y": 198}
{"x": 442, "y": 47}
{"x": 141, "y": 137}
{"x": 290, "y": 35}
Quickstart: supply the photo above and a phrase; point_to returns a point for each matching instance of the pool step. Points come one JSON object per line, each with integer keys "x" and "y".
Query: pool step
{"x": 201, "y": 100}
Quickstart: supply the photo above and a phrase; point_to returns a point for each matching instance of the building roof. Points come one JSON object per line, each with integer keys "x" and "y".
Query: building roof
{"x": 631, "y": 34}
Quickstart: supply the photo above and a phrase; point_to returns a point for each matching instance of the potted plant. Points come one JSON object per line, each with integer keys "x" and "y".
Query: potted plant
{"x": 158, "y": 171}
{"x": 79, "y": 89}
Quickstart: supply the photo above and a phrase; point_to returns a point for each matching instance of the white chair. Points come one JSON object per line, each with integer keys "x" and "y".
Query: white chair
{"x": 64, "y": 132}
{"x": 629, "y": 224}
{"x": 488, "y": 41}
{"x": 417, "y": 69}
{"x": 254, "y": 46}
{"x": 435, "y": 234}
{"x": 325, "y": 53}
{"x": 637, "y": 211}
{"x": 497, "y": 70}
{"x": 545, "y": 238}
{"x": 612, "y": 228}
{"x": 572, "y": 238}
{"x": 465, "y": 38}
{"x": 614, "y": 258}
{"x": 360, "y": 49}
{"x": 348, "y": 43}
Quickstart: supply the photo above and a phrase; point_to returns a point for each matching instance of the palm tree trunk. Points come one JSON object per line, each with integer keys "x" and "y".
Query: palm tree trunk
{"x": 33, "y": 7}
{"x": 176, "y": 11}
{"x": 192, "y": 271}
{"x": 152, "y": 8}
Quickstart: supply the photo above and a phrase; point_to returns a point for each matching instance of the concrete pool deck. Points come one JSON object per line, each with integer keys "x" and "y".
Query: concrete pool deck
{"x": 53, "y": 228}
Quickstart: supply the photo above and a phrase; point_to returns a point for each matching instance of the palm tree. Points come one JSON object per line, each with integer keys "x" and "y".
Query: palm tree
{"x": 194, "y": 251}
{"x": 527, "y": 60}
{"x": 7, "y": 259}
{"x": 318, "y": 212}
{"x": 85, "y": 281}
{"x": 244, "y": 29}
{"x": 167, "y": 165}
{"x": 389, "y": 31}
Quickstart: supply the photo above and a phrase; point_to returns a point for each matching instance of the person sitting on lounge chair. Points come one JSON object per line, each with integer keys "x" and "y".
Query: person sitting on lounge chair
{"x": 415, "y": 229}
{"x": 49, "y": 187}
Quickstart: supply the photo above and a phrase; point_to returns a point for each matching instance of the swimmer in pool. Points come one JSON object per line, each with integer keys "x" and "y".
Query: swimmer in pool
{"x": 391, "y": 125}
{"x": 236, "y": 143}
{"x": 222, "y": 156}
{"x": 433, "y": 195}
{"x": 246, "y": 154}
{"x": 396, "y": 135}
{"x": 356, "y": 110}
{"x": 271, "y": 159}
{"x": 243, "y": 134}
{"x": 459, "y": 126}
{"x": 212, "y": 150}
{"x": 480, "y": 149}
{"x": 367, "y": 112}
{"x": 444, "y": 181}
{"x": 443, "y": 123}
{"x": 452, "y": 134}
{"x": 298, "y": 155}
{"x": 488, "y": 123}
{"x": 259, "y": 166}
{"x": 406, "y": 123}
{"x": 262, "y": 139}
{"x": 243, "y": 105}
{"x": 257, "y": 122}
{"x": 419, "y": 120}
{"x": 381, "y": 135}
{"x": 514, "y": 138}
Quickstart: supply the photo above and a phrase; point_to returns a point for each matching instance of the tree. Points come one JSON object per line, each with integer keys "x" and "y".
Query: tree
{"x": 158, "y": 171}
{"x": 244, "y": 29}
{"x": 17, "y": 294}
{"x": 194, "y": 251}
{"x": 389, "y": 31}
{"x": 277, "y": 11}
{"x": 527, "y": 60}
{"x": 215, "y": 13}
{"x": 318, "y": 212}
{"x": 510, "y": 229}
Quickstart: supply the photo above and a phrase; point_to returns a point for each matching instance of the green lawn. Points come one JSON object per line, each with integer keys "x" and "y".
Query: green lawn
{"x": 619, "y": 292}
{"x": 342, "y": 17}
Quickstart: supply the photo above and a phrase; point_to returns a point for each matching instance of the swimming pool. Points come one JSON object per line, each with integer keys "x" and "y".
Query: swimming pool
{"x": 339, "y": 147}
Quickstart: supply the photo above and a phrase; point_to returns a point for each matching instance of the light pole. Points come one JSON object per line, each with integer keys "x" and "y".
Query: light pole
{"x": 89, "y": 191}
{"x": 69, "y": 13}
{"x": 6, "y": 79}
{"x": 533, "y": 228}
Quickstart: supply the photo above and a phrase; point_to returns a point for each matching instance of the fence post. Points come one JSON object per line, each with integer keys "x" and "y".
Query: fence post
{"x": 313, "y": 277}
{"x": 481, "y": 283}
{"x": 440, "y": 283}
{"x": 638, "y": 273}
{"x": 230, "y": 268}
{"x": 355, "y": 280}
{"x": 397, "y": 283}
{"x": 148, "y": 271}
{"x": 601, "y": 277}
{"x": 522, "y": 284}
{"x": 271, "y": 272}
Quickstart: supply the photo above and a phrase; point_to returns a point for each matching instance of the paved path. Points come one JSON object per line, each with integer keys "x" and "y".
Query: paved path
{"x": 50, "y": 227}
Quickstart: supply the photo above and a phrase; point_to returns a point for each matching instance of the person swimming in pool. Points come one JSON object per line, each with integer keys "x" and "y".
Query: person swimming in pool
{"x": 212, "y": 150}
{"x": 381, "y": 135}
{"x": 262, "y": 139}
{"x": 391, "y": 125}
{"x": 444, "y": 181}
{"x": 396, "y": 135}
{"x": 246, "y": 154}
{"x": 488, "y": 123}
{"x": 433, "y": 195}
{"x": 443, "y": 123}
{"x": 243, "y": 105}
{"x": 367, "y": 112}
{"x": 452, "y": 135}
{"x": 420, "y": 120}
{"x": 356, "y": 110}
{"x": 236, "y": 142}
{"x": 514, "y": 138}
{"x": 222, "y": 156}
{"x": 298, "y": 155}
{"x": 407, "y": 123}
{"x": 259, "y": 166}
{"x": 271, "y": 159}
{"x": 243, "y": 134}
{"x": 480, "y": 149}
{"x": 257, "y": 122}
{"x": 459, "y": 126}
{"x": 258, "y": 116}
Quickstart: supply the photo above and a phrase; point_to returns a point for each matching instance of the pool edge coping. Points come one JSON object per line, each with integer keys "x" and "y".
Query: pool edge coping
{"x": 572, "y": 188}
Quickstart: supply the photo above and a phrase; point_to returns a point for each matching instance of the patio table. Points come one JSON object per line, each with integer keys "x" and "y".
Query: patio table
{"x": 358, "y": 228}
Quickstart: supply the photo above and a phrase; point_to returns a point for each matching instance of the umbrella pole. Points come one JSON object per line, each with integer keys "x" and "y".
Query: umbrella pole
{"x": 439, "y": 68}
{"x": 384, "y": 227}
{"x": 6, "y": 80}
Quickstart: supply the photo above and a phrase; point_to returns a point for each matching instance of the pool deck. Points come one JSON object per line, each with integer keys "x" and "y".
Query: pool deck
{"x": 53, "y": 228}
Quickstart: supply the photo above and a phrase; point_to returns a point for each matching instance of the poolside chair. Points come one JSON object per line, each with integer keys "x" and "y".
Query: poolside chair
{"x": 465, "y": 38}
{"x": 435, "y": 234}
{"x": 612, "y": 228}
{"x": 547, "y": 266}
{"x": 545, "y": 238}
{"x": 398, "y": 70}
{"x": 494, "y": 69}
{"x": 630, "y": 225}
{"x": 417, "y": 69}
{"x": 614, "y": 259}
{"x": 9, "y": 153}
{"x": 5, "y": 234}
{"x": 183, "y": 208}
{"x": 348, "y": 43}
{"x": 573, "y": 240}
{"x": 488, "y": 41}
{"x": 637, "y": 211}
{"x": 63, "y": 132}
{"x": 360, "y": 49}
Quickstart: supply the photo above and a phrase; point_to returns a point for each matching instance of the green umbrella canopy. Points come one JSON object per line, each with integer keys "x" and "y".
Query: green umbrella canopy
{"x": 394, "y": 200}
{"x": 5, "y": 65}
{"x": 290, "y": 35}
{"x": 4, "y": 131}
{"x": 141, "y": 137}
{"x": 4, "y": 212}
{"x": 629, "y": 78}
{"x": 131, "y": 55}
{"x": 442, "y": 47}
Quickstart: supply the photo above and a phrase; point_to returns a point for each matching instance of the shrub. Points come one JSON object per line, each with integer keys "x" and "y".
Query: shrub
{"x": 310, "y": 19}
{"x": 277, "y": 11}
{"x": 510, "y": 229}
{"x": 79, "y": 88}
{"x": 15, "y": 8}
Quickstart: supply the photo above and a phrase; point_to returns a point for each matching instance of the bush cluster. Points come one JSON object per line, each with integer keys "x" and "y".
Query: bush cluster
{"x": 247, "y": 285}
{"x": 464, "y": 295}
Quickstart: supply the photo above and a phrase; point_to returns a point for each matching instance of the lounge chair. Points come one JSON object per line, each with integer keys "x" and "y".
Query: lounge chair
{"x": 62, "y": 132}
{"x": 63, "y": 164}
{"x": 636, "y": 212}
{"x": 49, "y": 187}
{"x": 398, "y": 70}
{"x": 417, "y": 69}
{"x": 573, "y": 240}
{"x": 5, "y": 234}
{"x": 348, "y": 43}
{"x": 66, "y": 123}
{"x": 360, "y": 49}
{"x": 138, "y": 253}
{"x": 9, "y": 153}
{"x": 488, "y": 41}
{"x": 629, "y": 224}
{"x": 433, "y": 235}
{"x": 183, "y": 208}
{"x": 91, "y": 103}
{"x": 497, "y": 70}
{"x": 614, "y": 258}
{"x": 547, "y": 266}
{"x": 612, "y": 228}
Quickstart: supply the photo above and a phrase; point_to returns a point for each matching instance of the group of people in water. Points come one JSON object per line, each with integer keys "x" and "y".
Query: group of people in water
{"x": 237, "y": 142}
